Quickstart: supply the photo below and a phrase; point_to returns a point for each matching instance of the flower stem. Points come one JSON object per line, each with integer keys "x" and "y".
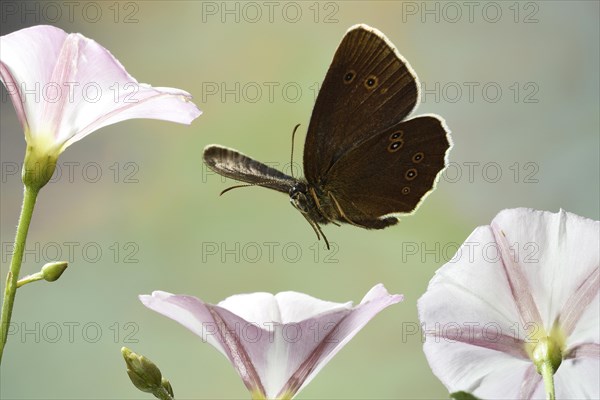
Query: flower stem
{"x": 30, "y": 278}
{"x": 12, "y": 277}
{"x": 547, "y": 372}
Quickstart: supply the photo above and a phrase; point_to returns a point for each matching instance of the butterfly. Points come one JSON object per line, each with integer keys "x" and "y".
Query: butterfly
{"x": 364, "y": 161}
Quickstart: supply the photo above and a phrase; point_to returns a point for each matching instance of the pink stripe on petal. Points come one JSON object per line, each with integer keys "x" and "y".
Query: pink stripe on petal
{"x": 579, "y": 301}
{"x": 14, "y": 91}
{"x": 476, "y": 336}
{"x": 591, "y": 350}
{"x": 64, "y": 71}
{"x": 299, "y": 377}
{"x": 236, "y": 352}
{"x": 531, "y": 380}
{"x": 517, "y": 280}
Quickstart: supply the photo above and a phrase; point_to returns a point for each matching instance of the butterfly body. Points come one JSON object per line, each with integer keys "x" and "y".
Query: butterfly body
{"x": 364, "y": 162}
{"x": 302, "y": 197}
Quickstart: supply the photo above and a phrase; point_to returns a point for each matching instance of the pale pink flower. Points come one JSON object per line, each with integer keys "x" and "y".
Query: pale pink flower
{"x": 66, "y": 86}
{"x": 523, "y": 289}
{"x": 277, "y": 343}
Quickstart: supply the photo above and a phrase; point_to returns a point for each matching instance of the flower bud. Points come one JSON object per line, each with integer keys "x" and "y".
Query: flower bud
{"x": 144, "y": 374}
{"x": 52, "y": 271}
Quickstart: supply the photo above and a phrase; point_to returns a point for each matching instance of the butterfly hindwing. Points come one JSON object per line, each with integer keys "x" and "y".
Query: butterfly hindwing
{"x": 367, "y": 88}
{"x": 391, "y": 172}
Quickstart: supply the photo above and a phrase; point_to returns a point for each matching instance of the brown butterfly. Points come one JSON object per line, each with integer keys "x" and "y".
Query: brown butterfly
{"x": 364, "y": 163}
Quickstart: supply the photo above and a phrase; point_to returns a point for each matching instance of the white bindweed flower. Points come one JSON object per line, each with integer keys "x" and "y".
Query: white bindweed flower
{"x": 277, "y": 343}
{"x": 66, "y": 86}
{"x": 517, "y": 309}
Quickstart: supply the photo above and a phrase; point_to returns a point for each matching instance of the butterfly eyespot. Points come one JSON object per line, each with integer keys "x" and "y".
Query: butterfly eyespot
{"x": 371, "y": 82}
{"x": 405, "y": 190}
{"x": 410, "y": 174}
{"x": 418, "y": 157}
{"x": 396, "y": 135}
{"x": 395, "y": 146}
{"x": 349, "y": 77}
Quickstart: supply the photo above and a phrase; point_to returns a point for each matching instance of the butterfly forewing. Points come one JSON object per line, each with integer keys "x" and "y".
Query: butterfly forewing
{"x": 235, "y": 165}
{"x": 368, "y": 88}
{"x": 392, "y": 171}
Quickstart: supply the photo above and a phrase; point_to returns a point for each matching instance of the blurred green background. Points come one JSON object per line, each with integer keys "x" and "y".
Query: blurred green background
{"x": 153, "y": 218}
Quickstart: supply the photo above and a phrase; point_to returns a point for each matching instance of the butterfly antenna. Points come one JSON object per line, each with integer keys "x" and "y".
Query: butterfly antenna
{"x": 292, "y": 154}
{"x": 245, "y": 185}
{"x": 233, "y": 187}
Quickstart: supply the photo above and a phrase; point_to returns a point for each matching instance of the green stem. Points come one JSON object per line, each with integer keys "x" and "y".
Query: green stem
{"x": 30, "y": 278}
{"x": 548, "y": 375}
{"x": 12, "y": 277}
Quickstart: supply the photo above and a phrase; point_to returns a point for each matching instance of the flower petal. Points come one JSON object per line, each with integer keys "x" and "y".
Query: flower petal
{"x": 167, "y": 104}
{"x": 591, "y": 350}
{"x": 284, "y": 307}
{"x": 188, "y": 311}
{"x": 27, "y": 60}
{"x": 275, "y": 351}
{"x": 578, "y": 379}
{"x": 585, "y": 298}
{"x": 484, "y": 373}
{"x": 376, "y": 300}
{"x": 106, "y": 94}
{"x": 517, "y": 280}
{"x": 472, "y": 324}
{"x": 558, "y": 252}
{"x": 531, "y": 384}
{"x": 472, "y": 291}
{"x": 488, "y": 336}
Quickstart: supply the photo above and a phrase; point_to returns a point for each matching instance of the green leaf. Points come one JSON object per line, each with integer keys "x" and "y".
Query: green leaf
{"x": 463, "y": 396}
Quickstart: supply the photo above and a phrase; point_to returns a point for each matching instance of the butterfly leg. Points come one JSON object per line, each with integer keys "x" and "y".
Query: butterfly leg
{"x": 317, "y": 230}
{"x": 341, "y": 212}
{"x": 318, "y": 203}
{"x": 322, "y": 234}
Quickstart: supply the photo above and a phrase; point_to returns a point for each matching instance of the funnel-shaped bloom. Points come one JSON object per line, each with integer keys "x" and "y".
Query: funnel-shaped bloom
{"x": 277, "y": 343}
{"x": 519, "y": 300}
{"x": 66, "y": 86}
